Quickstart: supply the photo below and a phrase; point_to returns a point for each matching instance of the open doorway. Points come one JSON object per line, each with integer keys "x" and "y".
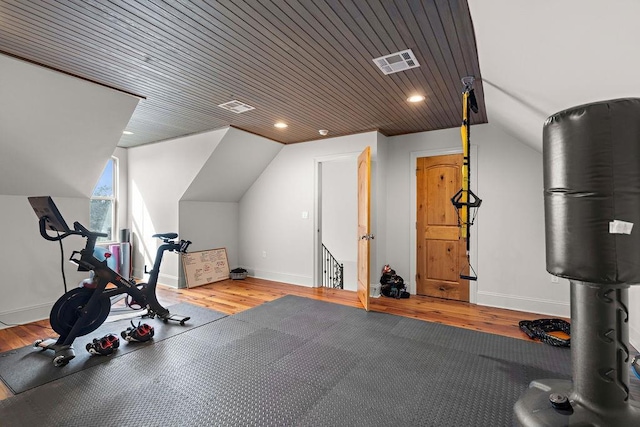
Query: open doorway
{"x": 337, "y": 219}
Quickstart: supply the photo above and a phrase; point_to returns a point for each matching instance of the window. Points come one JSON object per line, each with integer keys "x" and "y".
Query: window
{"x": 104, "y": 202}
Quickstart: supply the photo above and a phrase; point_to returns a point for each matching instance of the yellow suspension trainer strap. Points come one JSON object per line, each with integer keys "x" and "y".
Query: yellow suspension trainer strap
{"x": 465, "y": 199}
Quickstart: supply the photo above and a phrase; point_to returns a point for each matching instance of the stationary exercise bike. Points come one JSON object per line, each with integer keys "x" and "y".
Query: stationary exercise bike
{"x": 82, "y": 310}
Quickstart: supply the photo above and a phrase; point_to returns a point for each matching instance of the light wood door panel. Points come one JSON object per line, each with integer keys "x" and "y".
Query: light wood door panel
{"x": 442, "y": 184}
{"x": 442, "y": 260}
{"x": 441, "y": 250}
{"x": 364, "y": 207}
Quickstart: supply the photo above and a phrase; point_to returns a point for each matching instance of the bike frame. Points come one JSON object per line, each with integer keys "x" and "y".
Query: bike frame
{"x": 144, "y": 294}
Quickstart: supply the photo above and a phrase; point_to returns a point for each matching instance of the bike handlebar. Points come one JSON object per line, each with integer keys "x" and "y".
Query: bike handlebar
{"x": 184, "y": 244}
{"x": 167, "y": 238}
{"x": 45, "y": 234}
{"x": 78, "y": 230}
{"x": 81, "y": 229}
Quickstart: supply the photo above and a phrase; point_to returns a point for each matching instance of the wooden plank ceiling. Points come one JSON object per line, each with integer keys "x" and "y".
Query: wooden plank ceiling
{"x": 306, "y": 63}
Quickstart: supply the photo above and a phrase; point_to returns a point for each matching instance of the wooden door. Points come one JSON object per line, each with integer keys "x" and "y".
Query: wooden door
{"x": 364, "y": 207}
{"x": 441, "y": 250}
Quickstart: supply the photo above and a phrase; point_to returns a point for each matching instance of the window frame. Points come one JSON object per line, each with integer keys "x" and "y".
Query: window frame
{"x": 113, "y": 199}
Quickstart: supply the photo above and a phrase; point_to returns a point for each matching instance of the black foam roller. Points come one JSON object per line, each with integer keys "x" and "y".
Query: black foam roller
{"x": 591, "y": 156}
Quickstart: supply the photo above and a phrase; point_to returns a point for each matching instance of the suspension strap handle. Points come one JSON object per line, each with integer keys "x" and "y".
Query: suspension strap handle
{"x": 473, "y": 201}
{"x": 473, "y": 276}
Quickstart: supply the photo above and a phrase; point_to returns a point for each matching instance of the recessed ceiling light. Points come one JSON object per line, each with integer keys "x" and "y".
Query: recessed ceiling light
{"x": 126, "y": 132}
{"x": 415, "y": 98}
{"x": 281, "y": 125}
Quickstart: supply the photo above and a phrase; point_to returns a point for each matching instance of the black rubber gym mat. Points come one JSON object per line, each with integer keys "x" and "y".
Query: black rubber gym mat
{"x": 29, "y": 367}
{"x": 298, "y": 361}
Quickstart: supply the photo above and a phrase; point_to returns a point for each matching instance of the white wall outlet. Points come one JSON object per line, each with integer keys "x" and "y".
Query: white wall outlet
{"x": 305, "y": 215}
{"x": 264, "y": 254}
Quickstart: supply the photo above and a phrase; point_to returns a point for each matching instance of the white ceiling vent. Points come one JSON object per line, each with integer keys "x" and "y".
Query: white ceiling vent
{"x": 236, "y": 106}
{"x": 398, "y": 61}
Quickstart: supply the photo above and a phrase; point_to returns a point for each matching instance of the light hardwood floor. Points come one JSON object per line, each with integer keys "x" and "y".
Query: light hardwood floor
{"x": 233, "y": 296}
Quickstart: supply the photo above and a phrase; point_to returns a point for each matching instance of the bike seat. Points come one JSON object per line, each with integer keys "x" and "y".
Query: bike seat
{"x": 166, "y": 235}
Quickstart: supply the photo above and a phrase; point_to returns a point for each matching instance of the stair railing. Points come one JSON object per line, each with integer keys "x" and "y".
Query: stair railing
{"x": 332, "y": 270}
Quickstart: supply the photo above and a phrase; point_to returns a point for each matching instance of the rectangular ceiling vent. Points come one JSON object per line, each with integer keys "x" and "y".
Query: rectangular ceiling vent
{"x": 236, "y": 106}
{"x": 398, "y": 61}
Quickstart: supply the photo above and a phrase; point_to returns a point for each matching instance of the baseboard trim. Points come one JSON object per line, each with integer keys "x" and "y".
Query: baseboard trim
{"x": 137, "y": 274}
{"x": 26, "y": 315}
{"x": 169, "y": 280}
{"x": 292, "y": 279}
{"x": 531, "y": 305}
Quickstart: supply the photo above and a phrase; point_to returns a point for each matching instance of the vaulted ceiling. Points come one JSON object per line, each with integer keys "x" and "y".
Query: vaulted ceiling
{"x": 308, "y": 64}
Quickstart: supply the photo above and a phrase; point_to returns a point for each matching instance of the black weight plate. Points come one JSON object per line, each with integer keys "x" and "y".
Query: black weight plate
{"x": 66, "y": 311}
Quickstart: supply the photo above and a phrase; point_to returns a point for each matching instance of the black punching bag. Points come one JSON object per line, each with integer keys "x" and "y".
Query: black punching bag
{"x": 592, "y": 192}
{"x": 591, "y": 156}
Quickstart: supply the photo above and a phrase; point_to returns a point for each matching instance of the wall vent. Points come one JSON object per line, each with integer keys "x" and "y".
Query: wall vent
{"x": 236, "y": 106}
{"x": 398, "y": 61}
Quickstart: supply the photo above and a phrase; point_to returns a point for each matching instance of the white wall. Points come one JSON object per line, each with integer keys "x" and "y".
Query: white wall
{"x": 634, "y": 319}
{"x": 554, "y": 55}
{"x": 210, "y": 225}
{"x": 546, "y": 71}
{"x": 510, "y": 224}
{"x": 271, "y": 210}
{"x": 340, "y": 214}
{"x": 32, "y": 279}
{"x": 56, "y": 131}
{"x": 159, "y": 174}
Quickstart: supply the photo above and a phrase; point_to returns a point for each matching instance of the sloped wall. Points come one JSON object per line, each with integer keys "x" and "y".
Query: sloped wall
{"x": 57, "y": 131}
{"x": 208, "y": 209}
{"x": 56, "y": 134}
{"x": 538, "y": 58}
{"x": 192, "y": 186}
{"x": 239, "y": 159}
{"x": 159, "y": 174}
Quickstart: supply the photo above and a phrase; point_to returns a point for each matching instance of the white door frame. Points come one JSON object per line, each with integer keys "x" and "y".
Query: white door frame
{"x": 473, "y": 285}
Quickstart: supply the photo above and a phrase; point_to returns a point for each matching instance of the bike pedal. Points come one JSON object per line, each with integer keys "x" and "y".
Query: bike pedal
{"x": 176, "y": 318}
